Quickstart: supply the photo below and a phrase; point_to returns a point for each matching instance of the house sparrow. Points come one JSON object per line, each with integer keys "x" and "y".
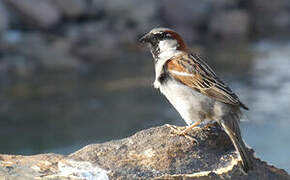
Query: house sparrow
{"x": 194, "y": 89}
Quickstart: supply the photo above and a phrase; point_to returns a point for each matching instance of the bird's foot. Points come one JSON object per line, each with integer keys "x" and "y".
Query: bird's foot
{"x": 181, "y": 131}
{"x": 209, "y": 125}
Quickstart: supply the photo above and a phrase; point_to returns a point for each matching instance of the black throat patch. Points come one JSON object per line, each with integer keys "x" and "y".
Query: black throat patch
{"x": 155, "y": 51}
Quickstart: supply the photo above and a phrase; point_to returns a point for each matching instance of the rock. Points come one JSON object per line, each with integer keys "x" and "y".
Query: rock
{"x": 229, "y": 24}
{"x": 136, "y": 10}
{"x": 58, "y": 58}
{"x": 156, "y": 153}
{"x": 95, "y": 41}
{"x": 4, "y": 19}
{"x": 221, "y": 5}
{"x": 42, "y": 51}
{"x": 36, "y": 13}
{"x": 25, "y": 167}
{"x": 186, "y": 16}
{"x": 71, "y": 8}
{"x": 16, "y": 65}
{"x": 185, "y": 12}
{"x": 129, "y": 18}
{"x": 270, "y": 17}
{"x": 95, "y": 8}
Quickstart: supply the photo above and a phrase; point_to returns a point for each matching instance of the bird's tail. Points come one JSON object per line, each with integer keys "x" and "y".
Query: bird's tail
{"x": 231, "y": 127}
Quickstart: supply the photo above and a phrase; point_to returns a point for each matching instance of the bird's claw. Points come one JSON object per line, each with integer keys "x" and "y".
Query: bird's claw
{"x": 181, "y": 132}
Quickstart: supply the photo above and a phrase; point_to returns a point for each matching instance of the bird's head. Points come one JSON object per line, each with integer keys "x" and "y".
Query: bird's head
{"x": 164, "y": 42}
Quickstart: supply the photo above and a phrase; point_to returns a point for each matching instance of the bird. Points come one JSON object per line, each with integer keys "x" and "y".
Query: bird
{"x": 194, "y": 89}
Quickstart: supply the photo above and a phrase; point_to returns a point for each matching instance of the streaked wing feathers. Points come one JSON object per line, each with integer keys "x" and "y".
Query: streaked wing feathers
{"x": 193, "y": 72}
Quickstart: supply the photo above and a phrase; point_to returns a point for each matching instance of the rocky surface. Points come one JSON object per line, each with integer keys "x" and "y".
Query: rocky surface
{"x": 156, "y": 153}
{"x": 42, "y": 14}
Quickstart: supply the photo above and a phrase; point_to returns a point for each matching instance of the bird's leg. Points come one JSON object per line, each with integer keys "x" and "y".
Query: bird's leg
{"x": 188, "y": 128}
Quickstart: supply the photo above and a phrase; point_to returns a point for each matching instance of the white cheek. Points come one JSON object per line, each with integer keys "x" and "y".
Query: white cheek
{"x": 166, "y": 45}
{"x": 167, "y": 49}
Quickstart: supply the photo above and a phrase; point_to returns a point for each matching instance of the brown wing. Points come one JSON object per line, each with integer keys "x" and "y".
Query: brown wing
{"x": 193, "y": 72}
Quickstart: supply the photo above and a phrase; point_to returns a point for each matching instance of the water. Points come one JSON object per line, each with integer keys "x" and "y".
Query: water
{"x": 269, "y": 129}
{"x": 62, "y": 112}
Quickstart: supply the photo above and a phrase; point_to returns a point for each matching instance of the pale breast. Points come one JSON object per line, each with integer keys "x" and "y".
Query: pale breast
{"x": 190, "y": 104}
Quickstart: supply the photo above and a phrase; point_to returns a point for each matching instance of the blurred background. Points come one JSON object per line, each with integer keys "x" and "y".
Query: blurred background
{"x": 72, "y": 72}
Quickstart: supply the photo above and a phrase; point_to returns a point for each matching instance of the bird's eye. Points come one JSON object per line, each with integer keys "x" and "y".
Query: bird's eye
{"x": 163, "y": 35}
{"x": 166, "y": 35}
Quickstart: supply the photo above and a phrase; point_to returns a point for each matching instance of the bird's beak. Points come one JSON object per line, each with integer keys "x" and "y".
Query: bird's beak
{"x": 145, "y": 38}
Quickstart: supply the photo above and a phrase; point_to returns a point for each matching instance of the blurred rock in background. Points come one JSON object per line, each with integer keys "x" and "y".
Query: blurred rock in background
{"x": 269, "y": 17}
{"x": 72, "y": 34}
{"x": 3, "y": 18}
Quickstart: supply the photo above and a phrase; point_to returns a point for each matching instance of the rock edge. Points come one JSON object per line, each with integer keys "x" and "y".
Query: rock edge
{"x": 155, "y": 153}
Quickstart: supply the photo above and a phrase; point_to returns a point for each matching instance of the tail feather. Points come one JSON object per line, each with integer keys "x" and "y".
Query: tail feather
{"x": 231, "y": 127}
{"x": 243, "y": 106}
